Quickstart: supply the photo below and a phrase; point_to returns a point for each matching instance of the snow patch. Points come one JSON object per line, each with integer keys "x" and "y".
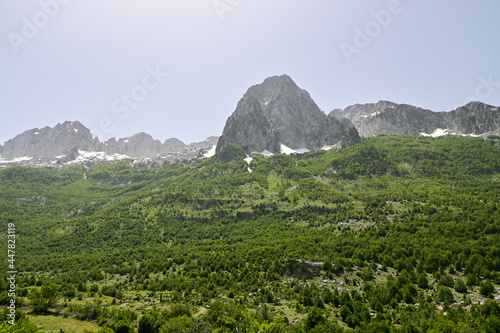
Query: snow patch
{"x": 440, "y": 132}
{"x": 36, "y": 133}
{"x": 437, "y": 132}
{"x": 15, "y": 160}
{"x": 76, "y": 130}
{"x": 92, "y": 156}
{"x": 330, "y": 147}
{"x": 287, "y": 150}
{"x": 211, "y": 152}
{"x": 474, "y": 135}
{"x": 371, "y": 114}
{"x": 265, "y": 153}
{"x": 248, "y": 159}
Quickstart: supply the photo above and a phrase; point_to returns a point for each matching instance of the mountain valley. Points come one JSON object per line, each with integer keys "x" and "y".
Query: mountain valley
{"x": 376, "y": 218}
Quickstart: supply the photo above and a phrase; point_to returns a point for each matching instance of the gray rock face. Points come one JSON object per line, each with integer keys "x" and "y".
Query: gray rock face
{"x": 279, "y": 112}
{"x": 50, "y": 142}
{"x": 209, "y": 142}
{"x": 138, "y": 145}
{"x": 173, "y": 145}
{"x": 474, "y": 118}
{"x": 64, "y": 141}
{"x": 250, "y": 128}
{"x": 385, "y": 118}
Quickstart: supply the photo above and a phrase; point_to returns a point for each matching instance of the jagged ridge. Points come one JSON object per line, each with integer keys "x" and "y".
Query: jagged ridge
{"x": 385, "y": 118}
{"x": 71, "y": 136}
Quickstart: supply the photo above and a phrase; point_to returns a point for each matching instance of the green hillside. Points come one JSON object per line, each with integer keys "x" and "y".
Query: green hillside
{"x": 396, "y": 234}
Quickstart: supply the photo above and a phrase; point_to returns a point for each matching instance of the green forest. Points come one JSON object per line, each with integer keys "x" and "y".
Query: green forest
{"x": 395, "y": 234}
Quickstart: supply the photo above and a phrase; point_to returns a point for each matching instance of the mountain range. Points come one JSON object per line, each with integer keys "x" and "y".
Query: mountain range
{"x": 59, "y": 140}
{"x": 72, "y": 143}
{"x": 387, "y": 118}
{"x": 275, "y": 116}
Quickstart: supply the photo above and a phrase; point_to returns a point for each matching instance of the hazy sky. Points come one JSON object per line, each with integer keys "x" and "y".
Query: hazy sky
{"x": 105, "y": 62}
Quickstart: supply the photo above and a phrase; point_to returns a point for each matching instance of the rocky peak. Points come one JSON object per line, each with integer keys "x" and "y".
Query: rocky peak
{"x": 474, "y": 118}
{"x": 209, "y": 142}
{"x": 274, "y": 88}
{"x": 50, "y": 142}
{"x": 278, "y": 112}
{"x": 173, "y": 145}
{"x": 139, "y": 145}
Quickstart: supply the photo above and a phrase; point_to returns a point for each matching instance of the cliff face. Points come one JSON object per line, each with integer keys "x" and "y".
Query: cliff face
{"x": 385, "y": 118}
{"x": 50, "y": 142}
{"x": 474, "y": 118}
{"x": 278, "y": 112}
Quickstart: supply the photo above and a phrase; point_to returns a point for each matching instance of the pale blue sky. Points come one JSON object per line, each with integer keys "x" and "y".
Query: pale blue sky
{"x": 91, "y": 60}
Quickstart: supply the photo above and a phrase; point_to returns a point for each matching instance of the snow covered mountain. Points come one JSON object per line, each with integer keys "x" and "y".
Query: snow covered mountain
{"x": 275, "y": 116}
{"x": 72, "y": 143}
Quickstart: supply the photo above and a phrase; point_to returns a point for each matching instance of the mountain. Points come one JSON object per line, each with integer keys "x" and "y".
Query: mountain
{"x": 173, "y": 145}
{"x": 50, "y": 142}
{"x": 272, "y": 117}
{"x": 209, "y": 142}
{"x": 73, "y": 143}
{"x": 277, "y": 116}
{"x": 384, "y": 118}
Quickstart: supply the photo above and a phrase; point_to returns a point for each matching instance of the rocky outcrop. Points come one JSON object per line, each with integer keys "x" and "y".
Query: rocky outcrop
{"x": 250, "y": 129}
{"x": 50, "y": 142}
{"x": 138, "y": 145}
{"x": 173, "y": 145}
{"x": 277, "y": 112}
{"x": 386, "y": 118}
{"x": 474, "y": 118}
{"x": 209, "y": 142}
